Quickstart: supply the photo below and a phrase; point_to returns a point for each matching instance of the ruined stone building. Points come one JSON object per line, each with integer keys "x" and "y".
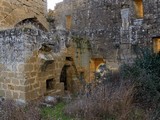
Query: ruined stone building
{"x": 114, "y": 27}
{"x": 36, "y": 59}
{"x": 43, "y": 53}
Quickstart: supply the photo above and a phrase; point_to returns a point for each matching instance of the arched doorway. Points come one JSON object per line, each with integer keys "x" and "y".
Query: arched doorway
{"x": 63, "y": 77}
{"x": 67, "y": 74}
{"x": 97, "y": 65}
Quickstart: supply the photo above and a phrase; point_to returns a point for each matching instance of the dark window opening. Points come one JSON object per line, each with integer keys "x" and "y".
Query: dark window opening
{"x": 49, "y": 84}
{"x": 69, "y": 59}
{"x": 82, "y": 76}
{"x": 45, "y": 48}
{"x": 46, "y": 64}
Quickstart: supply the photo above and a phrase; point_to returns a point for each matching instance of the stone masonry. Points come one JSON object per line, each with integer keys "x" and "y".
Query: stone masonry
{"x": 44, "y": 54}
{"x": 31, "y": 63}
{"x": 14, "y": 11}
{"x": 32, "y": 56}
{"x": 114, "y": 27}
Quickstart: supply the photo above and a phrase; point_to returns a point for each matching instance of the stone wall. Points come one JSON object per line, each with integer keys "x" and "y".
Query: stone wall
{"x": 32, "y": 60}
{"x": 26, "y": 64}
{"x": 99, "y": 21}
{"x": 114, "y": 27}
{"x": 31, "y": 63}
{"x": 14, "y": 11}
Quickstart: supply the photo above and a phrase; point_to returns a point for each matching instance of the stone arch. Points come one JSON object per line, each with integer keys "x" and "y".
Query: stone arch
{"x": 95, "y": 63}
{"x": 33, "y": 21}
{"x": 99, "y": 66}
{"x": 20, "y": 14}
{"x": 68, "y": 73}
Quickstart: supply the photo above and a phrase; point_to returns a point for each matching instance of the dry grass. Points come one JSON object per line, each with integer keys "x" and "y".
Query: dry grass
{"x": 9, "y": 110}
{"x": 105, "y": 102}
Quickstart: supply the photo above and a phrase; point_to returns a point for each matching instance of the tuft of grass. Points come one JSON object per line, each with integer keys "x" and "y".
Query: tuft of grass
{"x": 55, "y": 113}
{"x": 47, "y": 112}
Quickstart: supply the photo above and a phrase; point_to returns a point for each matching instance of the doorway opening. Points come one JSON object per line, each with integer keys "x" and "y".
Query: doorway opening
{"x": 63, "y": 77}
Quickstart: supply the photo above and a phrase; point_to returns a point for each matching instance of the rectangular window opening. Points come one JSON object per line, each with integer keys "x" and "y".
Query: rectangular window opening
{"x": 156, "y": 45}
{"x": 68, "y": 22}
{"x": 69, "y": 59}
{"x": 139, "y": 8}
{"x": 49, "y": 84}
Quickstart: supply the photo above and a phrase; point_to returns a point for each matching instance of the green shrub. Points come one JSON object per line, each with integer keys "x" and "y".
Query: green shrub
{"x": 145, "y": 73}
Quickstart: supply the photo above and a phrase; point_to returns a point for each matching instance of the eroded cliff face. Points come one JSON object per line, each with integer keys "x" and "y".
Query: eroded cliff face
{"x": 115, "y": 27}
{"x": 14, "y": 11}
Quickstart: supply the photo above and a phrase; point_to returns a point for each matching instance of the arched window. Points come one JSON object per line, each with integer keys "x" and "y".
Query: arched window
{"x": 138, "y": 8}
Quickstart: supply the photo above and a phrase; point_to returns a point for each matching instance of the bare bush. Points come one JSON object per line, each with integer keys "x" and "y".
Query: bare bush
{"x": 105, "y": 102}
{"x": 10, "y": 110}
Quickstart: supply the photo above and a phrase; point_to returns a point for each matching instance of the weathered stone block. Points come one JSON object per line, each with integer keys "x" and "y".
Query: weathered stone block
{"x": 1, "y": 79}
{"x": 4, "y": 86}
{"x": 16, "y": 81}
{"x": 15, "y": 95}
{"x": 10, "y": 87}
{"x": 22, "y": 96}
{"x": 33, "y": 74}
{"x": 34, "y": 94}
{"x": 31, "y": 81}
{"x": 5, "y": 3}
{"x": 8, "y": 9}
{"x": 59, "y": 86}
{"x": 8, "y": 94}
{"x": 11, "y": 74}
{"x": 22, "y": 88}
{"x": 36, "y": 85}
{"x": 2, "y": 93}
{"x": 28, "y": 67}
{"x": 6, "y": 81}
{"x": 21, "y": 67}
